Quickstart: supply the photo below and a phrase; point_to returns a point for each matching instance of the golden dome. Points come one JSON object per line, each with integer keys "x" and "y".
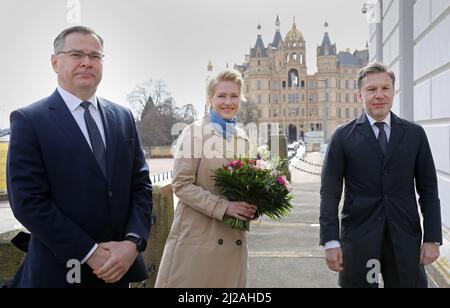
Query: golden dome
{"x": 294, "y": 34}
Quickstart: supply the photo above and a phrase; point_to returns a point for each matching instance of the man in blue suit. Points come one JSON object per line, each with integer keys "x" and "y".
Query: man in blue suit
{"x": 77, "y": 178}
{"x": 383, "y": 160}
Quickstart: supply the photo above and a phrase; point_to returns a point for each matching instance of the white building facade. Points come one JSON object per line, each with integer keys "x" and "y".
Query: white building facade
{"x": 412, "y": 38}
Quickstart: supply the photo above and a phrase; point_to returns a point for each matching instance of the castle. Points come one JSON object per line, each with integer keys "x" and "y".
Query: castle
{"x": 276, "y": 79}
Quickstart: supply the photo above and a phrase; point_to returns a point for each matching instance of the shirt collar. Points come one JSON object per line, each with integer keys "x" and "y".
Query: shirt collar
{"x": 386, "y": 120}
{"x": 74, "y": 102}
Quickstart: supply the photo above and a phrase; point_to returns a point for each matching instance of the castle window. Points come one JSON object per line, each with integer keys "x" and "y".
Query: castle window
{"x": 287, "y": 58}
{"x": 276, "y": 85}
{"x": 284, "y": 84}
{"x": 294, "y": 57}
{"x": 302, "y": 59}
{"x": 303, "y": 84}
{"x": 293, "y": 80}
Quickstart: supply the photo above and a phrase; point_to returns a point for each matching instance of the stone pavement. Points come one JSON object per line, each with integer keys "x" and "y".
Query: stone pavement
{"x": 287, "y": 254}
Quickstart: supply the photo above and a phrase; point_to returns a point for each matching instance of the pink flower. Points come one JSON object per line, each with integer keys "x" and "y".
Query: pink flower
{"x": 261, "y": 164}
{"x": 236, "y": 164}
{"x": 281, "y": 180}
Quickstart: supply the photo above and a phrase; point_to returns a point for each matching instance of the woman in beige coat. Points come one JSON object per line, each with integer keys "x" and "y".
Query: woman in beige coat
{"x": 201, "y": 250}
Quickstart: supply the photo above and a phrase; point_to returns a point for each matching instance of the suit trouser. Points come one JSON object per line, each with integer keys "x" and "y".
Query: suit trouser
{"x": 388, "y": 263}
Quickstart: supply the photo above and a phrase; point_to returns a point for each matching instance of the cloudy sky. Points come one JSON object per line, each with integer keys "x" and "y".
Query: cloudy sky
{"x": 171, "y": 40}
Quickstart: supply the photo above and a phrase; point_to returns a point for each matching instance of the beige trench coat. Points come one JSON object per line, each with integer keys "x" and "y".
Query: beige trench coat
{"x": 201, "y": 251}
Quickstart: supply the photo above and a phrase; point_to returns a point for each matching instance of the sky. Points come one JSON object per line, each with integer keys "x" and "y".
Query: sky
{"x": 172, "y": 40}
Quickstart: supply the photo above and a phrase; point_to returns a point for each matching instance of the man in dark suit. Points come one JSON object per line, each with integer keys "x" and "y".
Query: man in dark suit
{"x": 77, "y": 178}
{"x": 382, "y": 159}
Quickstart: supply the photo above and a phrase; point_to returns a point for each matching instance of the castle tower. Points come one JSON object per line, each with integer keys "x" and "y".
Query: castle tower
{"x": 326, "y": 54}
{"x": 209, "y": 75}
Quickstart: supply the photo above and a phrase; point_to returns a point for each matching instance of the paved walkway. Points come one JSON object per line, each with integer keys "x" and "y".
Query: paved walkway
{"x": 287, "y": 254}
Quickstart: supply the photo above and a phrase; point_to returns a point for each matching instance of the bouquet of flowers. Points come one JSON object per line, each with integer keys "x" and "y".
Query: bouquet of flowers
{"x": 258, "y": 182}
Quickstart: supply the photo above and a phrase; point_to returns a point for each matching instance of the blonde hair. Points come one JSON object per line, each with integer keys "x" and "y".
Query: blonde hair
{"x": 226, "y": 75}
{"x": 374, "y": 68}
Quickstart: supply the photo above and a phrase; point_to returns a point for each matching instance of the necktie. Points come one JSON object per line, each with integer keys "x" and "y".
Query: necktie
{"x": 98, "y": 148}
{"x": 382, "y": 138}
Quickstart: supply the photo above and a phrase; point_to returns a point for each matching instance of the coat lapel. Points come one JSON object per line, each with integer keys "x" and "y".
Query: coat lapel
{"x": 64, "y": 119}
{"x": 109, "y": 123}
{"x": 397, "y": 133}
{"x": 364, "y": 128}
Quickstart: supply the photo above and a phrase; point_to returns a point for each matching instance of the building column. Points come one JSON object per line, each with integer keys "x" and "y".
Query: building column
{"x": 406, "y": 61}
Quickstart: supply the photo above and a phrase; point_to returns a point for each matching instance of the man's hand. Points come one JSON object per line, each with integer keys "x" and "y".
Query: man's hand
{"x": 122, "y": 257}
{"x": 98, "y": 258}
{"x": 429, "y": 253}
{"x": 334, "y": 259}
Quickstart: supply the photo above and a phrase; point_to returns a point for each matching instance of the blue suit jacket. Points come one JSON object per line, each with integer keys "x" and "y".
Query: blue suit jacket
{"x": 57, "y": 190}
{"x": 378, "y": 191}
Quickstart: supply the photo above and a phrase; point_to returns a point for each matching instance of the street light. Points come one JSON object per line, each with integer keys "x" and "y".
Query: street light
{"x": 373, "y": 9}
{"x": 325, "y": 112}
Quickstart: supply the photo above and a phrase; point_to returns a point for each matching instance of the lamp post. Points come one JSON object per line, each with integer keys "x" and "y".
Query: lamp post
{"x": 373, "y": 9}
{"x": 325, "y": 112}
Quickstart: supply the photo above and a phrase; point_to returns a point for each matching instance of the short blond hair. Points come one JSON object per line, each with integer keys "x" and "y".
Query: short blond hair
{"x": 374, "y": 68}
{"x": 226, "y": 75}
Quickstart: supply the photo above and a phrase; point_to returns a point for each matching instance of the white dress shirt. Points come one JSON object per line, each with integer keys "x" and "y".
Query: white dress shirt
{"x": 73, "y": 103}
{"x": 376, "y": 131}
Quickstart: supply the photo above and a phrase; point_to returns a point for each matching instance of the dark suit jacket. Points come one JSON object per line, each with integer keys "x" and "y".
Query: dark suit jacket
{"x": 57, "y": 190}
{"x": 379, "y": 191}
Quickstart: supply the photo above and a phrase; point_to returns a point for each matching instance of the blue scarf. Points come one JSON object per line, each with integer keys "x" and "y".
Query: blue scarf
{"x": 226, "y": 127}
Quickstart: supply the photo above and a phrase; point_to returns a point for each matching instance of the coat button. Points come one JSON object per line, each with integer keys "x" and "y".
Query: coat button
{"x": 220, "y": 242}
{"x": 238, "y": 242}
{"x": 110, "y": 194}
{"x": 385, "y": 173}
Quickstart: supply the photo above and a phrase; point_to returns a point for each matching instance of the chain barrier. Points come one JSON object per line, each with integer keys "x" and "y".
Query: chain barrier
{"x": 306, "y": 171}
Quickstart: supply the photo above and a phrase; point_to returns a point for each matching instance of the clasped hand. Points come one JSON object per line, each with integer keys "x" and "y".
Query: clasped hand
{"x": 112, "y": 260}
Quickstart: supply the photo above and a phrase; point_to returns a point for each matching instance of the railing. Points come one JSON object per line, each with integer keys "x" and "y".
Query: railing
{"x": 160, "y": 177}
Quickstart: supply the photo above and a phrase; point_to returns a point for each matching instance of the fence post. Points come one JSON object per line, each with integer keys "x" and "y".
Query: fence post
{"x": 162, "y": 215}
{"x": 278, "y": 148}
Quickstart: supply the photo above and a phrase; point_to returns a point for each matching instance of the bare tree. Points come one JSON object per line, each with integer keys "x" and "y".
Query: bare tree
{"x": 149, "y": 92}
{"x": 156, "y": 113}
{"x": 248, "y": 112}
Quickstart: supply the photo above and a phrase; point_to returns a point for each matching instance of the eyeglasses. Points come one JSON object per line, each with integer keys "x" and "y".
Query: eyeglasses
{"x": 78, "y": 55}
